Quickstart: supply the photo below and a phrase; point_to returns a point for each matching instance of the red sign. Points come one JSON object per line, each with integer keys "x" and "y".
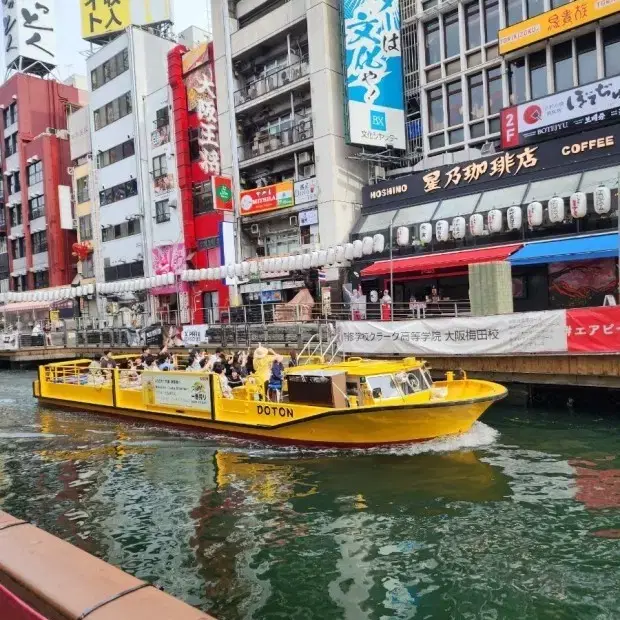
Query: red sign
{"x": 267, "y": 198}
{"x": 222, "y": 193}
{"x": 509, "y": 128}
{"x": 593, "y": 330}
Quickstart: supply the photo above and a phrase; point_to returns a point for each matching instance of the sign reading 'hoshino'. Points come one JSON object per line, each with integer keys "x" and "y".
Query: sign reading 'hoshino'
{"x": 570, "y": 111}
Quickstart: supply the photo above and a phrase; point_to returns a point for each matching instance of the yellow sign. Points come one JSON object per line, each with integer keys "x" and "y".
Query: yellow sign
{"x": 54, "y": 315}
{"x": 562, "y": 19}
{"x": 102, "y": 17}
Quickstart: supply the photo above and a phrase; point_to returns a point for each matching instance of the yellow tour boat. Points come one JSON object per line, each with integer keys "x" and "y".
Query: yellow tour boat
{"x": 353, "y": 403}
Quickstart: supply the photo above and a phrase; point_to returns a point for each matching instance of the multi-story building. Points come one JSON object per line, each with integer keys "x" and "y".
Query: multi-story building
{"x": 36, "y": 222}
{"x": 281, "y": 64}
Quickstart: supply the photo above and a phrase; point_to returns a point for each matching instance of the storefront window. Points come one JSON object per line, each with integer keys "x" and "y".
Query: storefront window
{"x": 472, "y": 25}
{"x": 514, "y": 11}
{"x": 535, "y": 7}
{"x": 452, "y": 207}
{"x": 501, "y": 198}
{"x": 431, "y": 37}
{"x": 538, "y": 74}
{"x": 375, "y": 222}
{"x": 435, "y": 109}
{"x": 586, "y": 58}
{"x": 611, "y": 45}
{"x": 451, "y": 33}
{"x": 544, "y": 190}
{"x": 517, "y": 81}
{"x": 491, "y": 20}
{"x": 563, "y": 65}
{"x": 476, "y": 96}
{"x": 415, "y": 215}
{"x": 455, "y": 104}
{"x": 494, "y": 84}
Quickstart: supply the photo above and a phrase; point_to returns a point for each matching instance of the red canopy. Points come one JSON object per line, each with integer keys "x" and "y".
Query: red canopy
{"x": 431, "y": 262}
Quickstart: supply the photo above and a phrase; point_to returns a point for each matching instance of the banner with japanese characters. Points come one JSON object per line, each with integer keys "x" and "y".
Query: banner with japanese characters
{"x": 519, "y": 333}
{"x": 176, "y": 390}
{"x": 373, "y": 66}
{"x": 593, "y": 330}
{"x": 195, "y": 335}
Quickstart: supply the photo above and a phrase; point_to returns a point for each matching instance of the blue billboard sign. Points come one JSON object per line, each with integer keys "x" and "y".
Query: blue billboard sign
{"x": 374, "y": 73}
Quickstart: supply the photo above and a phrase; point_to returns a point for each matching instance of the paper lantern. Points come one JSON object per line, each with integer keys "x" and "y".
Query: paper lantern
{"x": 340, "y": 254}
{"x": 494, "y": 221}
{"x": 288, "y": 263}
{"x": 277, "y": 264}
{"x": 402, "y": 235}
{"x": 323, "y": 257}
{"x": 378, "y": 243}
{"x": 245, "y": 269}
{"x": 578, "y": 205}
{"x": 299, "y": 262}
{"x": 441, "y": 230}
{"x": 254, "y": 267}
{"x": 90, "y": 289}
{"x": 230, "y": 270}
{"x": 223, "y": 272}
{"x": 306, "y": 261}
{"x": 314, "y": 259}
{"x": 184, "y": 276}
{"x": 170, "y": 278}
{"x": 425, "y": 232}
{"x": 602, "y": 200}
{"x": 534, "y": 214}
{"x": 555, "y": 208}
{"x": 268, "y": 265}
{"x": 476, "y": 225}
{"x": 349, "y": 252}
{"x": 514, "y": 218}
{"x": 79, "y": 292}
{"x": 238, "y": 270}
{"x": 331, "y": 256}
{"x": 367, "y": 246}
{"x": 459, "y": 227}
{"x": 358, "y": 248}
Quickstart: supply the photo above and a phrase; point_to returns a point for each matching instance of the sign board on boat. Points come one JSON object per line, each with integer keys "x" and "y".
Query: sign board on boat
{"x": 177, "y": 390}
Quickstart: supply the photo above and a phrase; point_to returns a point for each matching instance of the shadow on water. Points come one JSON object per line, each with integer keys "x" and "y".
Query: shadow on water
{"x": 516, "y": 519}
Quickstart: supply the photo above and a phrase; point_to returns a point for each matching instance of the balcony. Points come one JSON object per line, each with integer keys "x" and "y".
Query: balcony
{"x": 259, "y": 89}
{"x": 265, "y": 144}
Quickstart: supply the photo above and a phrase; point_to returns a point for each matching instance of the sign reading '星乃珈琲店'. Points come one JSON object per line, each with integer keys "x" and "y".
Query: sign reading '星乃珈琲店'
{"x": 514, "y": 164}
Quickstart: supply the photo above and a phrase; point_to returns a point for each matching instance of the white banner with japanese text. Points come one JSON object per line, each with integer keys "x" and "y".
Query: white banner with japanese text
{"x": 527, "y": 332}
{"x": 195, "y": 335}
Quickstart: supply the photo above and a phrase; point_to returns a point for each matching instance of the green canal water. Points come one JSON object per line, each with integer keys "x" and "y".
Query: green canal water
{"x": 519, "y": 519}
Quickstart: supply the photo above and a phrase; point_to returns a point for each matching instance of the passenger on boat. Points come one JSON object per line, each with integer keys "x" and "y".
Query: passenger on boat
{"x": 218, "y": 369}
{"x": 249, "y": 364}
{"x": 146, "y": 353}
{"x": 193, "y": 363}
{"x": 293, "y": 361}
{"x": 107, "y": 360}
{"x": 215, "y": 357}
{"x": 234, "y": 380}
{"x": 274, "y": 389}
{"x": 150, "y": 363}
{"x": 165, "y": 362}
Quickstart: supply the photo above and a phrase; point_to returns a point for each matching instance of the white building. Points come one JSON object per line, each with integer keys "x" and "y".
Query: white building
{"x": 285, "y": 60}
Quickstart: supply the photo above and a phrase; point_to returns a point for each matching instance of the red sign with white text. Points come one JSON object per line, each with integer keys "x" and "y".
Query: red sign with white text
{"x": 509, "y": 128}
{"x": 593, "y": 330}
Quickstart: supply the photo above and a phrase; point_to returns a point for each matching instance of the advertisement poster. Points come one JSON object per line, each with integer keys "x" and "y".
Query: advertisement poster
{"x": 570, "y": 111}
{"x": 160, "y": 136}
{"x": 269, "y": 198}
{"x": 306, "y": 191}
{"x": 578, "y": 284}
{"x": 195, "y": 335}
{"x": 593, "y": 330}
{"x": 176, "y": 389}
{"x": 527, "y": 332}
{"x": 374, "y": 73}
{"x": 221, "y": 188}
{"x": 164, "y": 184}
{"x": 168, "y": 259}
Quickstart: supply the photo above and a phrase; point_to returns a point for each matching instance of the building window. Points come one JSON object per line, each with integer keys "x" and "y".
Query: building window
{"x": 88, "y": 268}
{"x": 82, "y": 190}
{"x": 36, "y": 207}
{"x": 15, "y": 215}
{"x": 455, "y": 104}
{"x": 586, "y": 58}
{"x": 124, "y": 271}
{"x": 516, "y": 82}
{"x": 120, "y": 231}
{"x": 162, "y": 118}
{"x": 41, "y": 279}
{"x": 432, "y": 42}
{"x": 538, "y": 74}
{"x": 112, "y": 111}
{"x": 116, "y": 153}
{"x": 35, "y": 173}
{"x": 563, "y": 66}
{"x": 39, "y": 242}
{"x": 19, "y": 283}
{"x": 535, "y": 7}
{"x": 118, "y": 192}
{"x": 203, "y": 199}
{"x": 160, "y": 166}
{"x": 10, "y": 115}
{"x": 514, "y": 12}
{"x": 13, "y": 183}
{"x": 4, "y": 248}
{"x": 611, "y": 47}
{"x": 10, "y": 145}
{"x": 491, "y": 20}
{"x": 194, "y": 144}
{"x": 162, "y": 211}
{"x": 451, "y": 33}
{"x": 110, "y": 69}
{"x": 476, "y": 96}
{"x": 435, "y": 109}
{"x": 494, "y": 85}
{"x": 18, "y": 248}
{"x": 86, "y": 228}
{"x": 472, "y": 25}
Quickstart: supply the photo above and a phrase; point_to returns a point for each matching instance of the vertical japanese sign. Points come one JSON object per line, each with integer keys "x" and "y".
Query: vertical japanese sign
{"x": 29, "y": 31}
{"x": 222, "y": 193}
{"x": 103, "y": 17}
{"x": 374, "y": 73}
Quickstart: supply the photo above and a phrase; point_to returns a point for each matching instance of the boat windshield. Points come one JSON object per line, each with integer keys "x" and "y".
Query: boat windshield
{"x": 383, "y": 386}
{"x": 400, "y": 384}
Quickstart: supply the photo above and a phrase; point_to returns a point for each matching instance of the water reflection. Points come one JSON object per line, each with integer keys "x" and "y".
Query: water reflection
{"x": 517, "y": 522}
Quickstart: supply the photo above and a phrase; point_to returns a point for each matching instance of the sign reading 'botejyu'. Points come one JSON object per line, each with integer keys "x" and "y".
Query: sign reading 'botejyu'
{"x": 29, "y": 33}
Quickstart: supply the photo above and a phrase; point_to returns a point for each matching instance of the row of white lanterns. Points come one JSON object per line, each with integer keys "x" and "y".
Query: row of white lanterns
{"x": 58, "y": 294}
{"x": 294, "y": 262}
{"x": 556, "y": 211}
{"x": 137, "y": 284}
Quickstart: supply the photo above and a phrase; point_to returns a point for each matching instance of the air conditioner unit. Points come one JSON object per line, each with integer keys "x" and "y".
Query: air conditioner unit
{"x": 308, "y": 171}
{"x": 304, "y": 158}
{"x": 255, "y": 229}
{"x": 272, "y": 82}
{"x": 70, "y": 171}
{"x": 51, "y": 131}
{"x": 293, "y": 220}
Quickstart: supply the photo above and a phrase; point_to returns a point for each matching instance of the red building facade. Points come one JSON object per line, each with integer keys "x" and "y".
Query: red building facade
{"x": 191, "y": 76}
{"x": 35, "y": 162}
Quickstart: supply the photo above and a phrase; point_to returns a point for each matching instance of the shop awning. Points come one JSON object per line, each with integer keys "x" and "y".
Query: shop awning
{"x": 564, "y": 250}
{"x": 445, "y": 260}
{"x": 26, "y": 306}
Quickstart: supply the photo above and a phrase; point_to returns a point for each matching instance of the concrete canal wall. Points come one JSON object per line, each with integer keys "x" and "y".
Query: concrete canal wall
{"x": 45, "y": 578}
